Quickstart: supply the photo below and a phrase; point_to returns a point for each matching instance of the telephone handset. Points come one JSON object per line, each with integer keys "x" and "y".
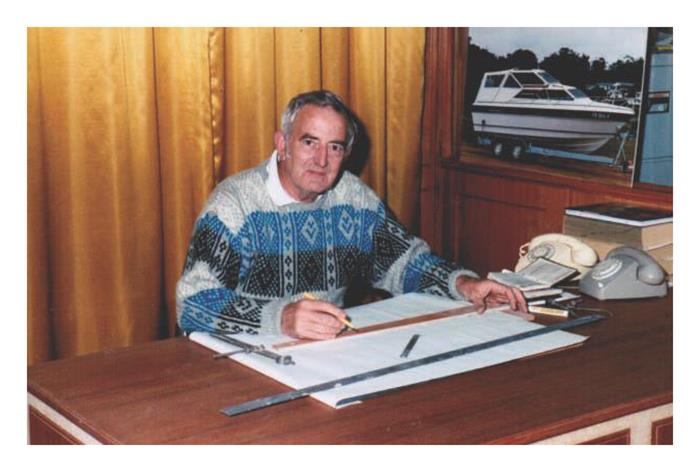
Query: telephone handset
{"x": 626, "y": 272}
{"x": 561, "y": 248}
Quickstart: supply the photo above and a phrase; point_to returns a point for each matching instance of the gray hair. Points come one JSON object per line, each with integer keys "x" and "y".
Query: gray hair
{"x": 320, "y": 98}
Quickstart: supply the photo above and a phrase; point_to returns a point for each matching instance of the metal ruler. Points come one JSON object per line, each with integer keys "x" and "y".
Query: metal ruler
{"x": 303, "y": 392}
{"x": 250, "y": 349}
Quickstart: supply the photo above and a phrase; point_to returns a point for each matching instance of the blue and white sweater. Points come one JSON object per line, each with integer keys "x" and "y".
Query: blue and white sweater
{"x": 248, "y": 258}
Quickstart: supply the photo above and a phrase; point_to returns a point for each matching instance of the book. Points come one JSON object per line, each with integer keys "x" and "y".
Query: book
{"x": 631, "y": 215}
{"x": 541, "y": 274}
{"x": 542, "y": 293}
{"x": 664, "y": 256}
{"x": 642, "y": 237}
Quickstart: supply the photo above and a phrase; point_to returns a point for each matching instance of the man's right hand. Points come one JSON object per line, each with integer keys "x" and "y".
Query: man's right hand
{"x": 312, "y": 319}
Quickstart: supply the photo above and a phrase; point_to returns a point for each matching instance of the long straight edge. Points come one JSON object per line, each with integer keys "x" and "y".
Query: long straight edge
{"x": 303, "y": 392}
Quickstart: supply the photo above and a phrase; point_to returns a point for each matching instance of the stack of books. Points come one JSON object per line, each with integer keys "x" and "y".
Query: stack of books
{"x": 605, "y": 226}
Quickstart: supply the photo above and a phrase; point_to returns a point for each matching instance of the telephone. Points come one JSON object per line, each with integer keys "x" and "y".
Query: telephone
{"x": 561, "y": 248}
{"x": 626, "y": 272}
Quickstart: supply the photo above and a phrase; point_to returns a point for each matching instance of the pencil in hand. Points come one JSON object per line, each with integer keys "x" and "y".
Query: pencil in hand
{"x": 309, "y": 296}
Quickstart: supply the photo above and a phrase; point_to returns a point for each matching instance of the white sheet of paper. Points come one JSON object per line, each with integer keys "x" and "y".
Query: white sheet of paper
{"x": 319, "y": 362}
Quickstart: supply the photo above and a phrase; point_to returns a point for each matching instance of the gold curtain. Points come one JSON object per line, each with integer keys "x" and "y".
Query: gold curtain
{"x": 129, "y": 130}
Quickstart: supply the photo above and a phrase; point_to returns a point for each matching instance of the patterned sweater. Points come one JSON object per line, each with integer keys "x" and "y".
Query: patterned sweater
{"x": 248, "y": 258}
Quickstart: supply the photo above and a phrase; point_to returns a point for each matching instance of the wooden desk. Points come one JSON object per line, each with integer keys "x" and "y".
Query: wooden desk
{"x": 615, "y": 388}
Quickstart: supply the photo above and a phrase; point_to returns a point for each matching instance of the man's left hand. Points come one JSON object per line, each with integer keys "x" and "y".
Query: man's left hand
{"x": 487, "y": 292}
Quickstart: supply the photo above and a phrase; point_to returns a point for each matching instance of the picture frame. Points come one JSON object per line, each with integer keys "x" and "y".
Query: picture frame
{"x": 562, "y": 97}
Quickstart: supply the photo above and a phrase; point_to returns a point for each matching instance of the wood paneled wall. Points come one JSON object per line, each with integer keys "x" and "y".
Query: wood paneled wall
{"x": 489, "y": 212}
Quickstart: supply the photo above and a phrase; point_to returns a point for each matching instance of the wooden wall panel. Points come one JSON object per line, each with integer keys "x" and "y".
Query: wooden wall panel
{"x": 489, "y": 212}
{"x": 662, "y": 432}
{"x": 618, "y": 438}
{"x": 43, "y": 431}
{"x": 491, "y": 217}
{"x": 585, "y": 197}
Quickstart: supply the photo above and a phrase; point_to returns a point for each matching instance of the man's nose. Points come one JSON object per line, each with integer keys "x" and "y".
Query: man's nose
{"x": 322, "y": 156}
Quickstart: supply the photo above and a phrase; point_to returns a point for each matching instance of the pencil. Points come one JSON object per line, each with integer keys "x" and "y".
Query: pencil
{"x": 409, "y": 346}
{"x": 309, "y": 296}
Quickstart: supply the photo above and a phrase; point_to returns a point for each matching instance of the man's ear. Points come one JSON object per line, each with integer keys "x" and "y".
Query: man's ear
{"x": 280, "y": 145}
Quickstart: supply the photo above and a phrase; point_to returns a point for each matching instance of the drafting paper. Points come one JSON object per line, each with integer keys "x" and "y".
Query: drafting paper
{"x": 319, "y": 362}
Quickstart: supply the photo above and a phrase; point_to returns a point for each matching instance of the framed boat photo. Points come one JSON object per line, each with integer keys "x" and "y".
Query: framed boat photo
{"x": 556, "y": 95}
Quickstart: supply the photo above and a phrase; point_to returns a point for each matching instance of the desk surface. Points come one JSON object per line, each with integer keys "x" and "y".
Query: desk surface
{"x": 171, "y": 391}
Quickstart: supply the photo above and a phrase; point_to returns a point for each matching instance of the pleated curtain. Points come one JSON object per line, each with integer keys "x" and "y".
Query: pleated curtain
{"x": 129, "y": 130}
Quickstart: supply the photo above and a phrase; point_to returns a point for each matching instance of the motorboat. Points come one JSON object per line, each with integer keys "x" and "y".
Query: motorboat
{"x": 517, "y": 109}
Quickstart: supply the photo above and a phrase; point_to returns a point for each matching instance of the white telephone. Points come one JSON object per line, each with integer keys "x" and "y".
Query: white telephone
{"x": 626, "y": 272}
{"x": 561, "y": 248}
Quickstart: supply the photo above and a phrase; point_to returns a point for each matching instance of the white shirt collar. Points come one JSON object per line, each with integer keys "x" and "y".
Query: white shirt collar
{"x": 279, "y": 195}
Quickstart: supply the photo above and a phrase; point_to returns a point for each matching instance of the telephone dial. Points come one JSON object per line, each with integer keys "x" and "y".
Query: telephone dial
{"x": 626, "y": 272}
{"x": 561, "y": 248}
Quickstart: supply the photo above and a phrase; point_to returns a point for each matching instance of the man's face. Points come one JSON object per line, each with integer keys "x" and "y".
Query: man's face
{"x": 311, "y": 157}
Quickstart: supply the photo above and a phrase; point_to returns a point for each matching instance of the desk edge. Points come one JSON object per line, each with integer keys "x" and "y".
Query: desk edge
{"x": 61, "y": 421}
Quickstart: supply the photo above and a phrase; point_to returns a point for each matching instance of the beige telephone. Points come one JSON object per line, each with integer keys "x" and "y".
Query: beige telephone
{"x": 561, "y": 248}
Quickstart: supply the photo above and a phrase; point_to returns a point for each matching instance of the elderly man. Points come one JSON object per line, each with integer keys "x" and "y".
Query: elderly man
{"x": 299, "y": 224}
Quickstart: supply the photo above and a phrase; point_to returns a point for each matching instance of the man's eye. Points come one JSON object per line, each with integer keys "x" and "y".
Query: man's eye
{"x": 308, "y": 142}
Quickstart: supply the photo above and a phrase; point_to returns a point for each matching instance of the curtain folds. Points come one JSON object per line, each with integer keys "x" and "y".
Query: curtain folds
{"x": 129, "y": 130}
{"x": 189, "y": 100}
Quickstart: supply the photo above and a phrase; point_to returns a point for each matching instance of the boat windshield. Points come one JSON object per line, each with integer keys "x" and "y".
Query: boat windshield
{"x": 511, "y": 83}
{"x": 577, "y": 93}
{"x": 494, "y": 80}
{"x": 549, "y": 78}
{"x": 528, "y": 78}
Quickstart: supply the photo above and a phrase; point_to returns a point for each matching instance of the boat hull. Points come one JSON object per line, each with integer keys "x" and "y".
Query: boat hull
{"x": 568, "y": 130}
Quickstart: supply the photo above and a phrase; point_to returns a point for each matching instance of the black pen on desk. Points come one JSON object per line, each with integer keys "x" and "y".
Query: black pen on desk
{"x": 409, "y": 346}
{"x": 308, "y": 296}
